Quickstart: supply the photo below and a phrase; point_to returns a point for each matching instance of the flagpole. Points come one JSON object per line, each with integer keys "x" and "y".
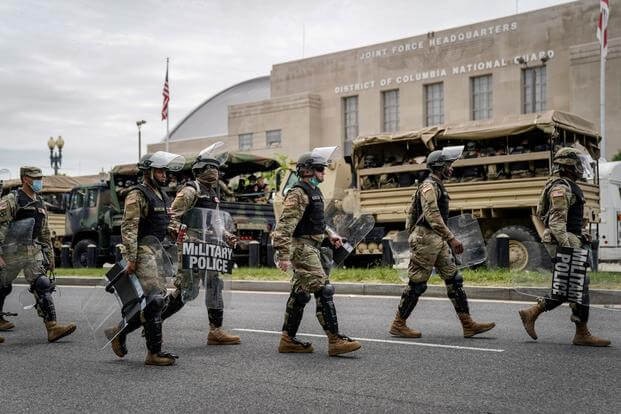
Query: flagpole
{"x": 168, "y": 114}
{"x": 602, "y": 101}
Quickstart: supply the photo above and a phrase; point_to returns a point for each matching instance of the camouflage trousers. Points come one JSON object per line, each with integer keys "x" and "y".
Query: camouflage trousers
{"x": 428, "y": 250}
{"x": 149, "y": 272}
{"x": 187, "y": 284}
{"x": 29, "y": 259}
{"x": 309, "y": 274}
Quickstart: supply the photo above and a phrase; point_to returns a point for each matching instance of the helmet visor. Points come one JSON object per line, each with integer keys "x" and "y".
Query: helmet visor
{"x": 452, "y": 153}
{"x": 585, "y": 166}
{"x": 325, "y": 153}
{"x": 167, "y": 160}
{"x": 214, "y": 152}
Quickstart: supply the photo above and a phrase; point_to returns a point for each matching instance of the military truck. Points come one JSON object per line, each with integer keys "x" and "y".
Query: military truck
{"x": 505, "y": 165}
{"x": 94, "y": 213}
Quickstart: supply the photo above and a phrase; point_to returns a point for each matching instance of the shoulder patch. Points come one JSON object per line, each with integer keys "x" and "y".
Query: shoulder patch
{"x": 557, "y": 193}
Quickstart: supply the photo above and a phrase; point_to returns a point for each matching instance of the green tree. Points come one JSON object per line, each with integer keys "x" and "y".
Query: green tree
{"x": 617, "y": 156}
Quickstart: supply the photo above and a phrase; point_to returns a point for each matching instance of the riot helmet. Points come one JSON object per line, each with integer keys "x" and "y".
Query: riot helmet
{"x": 211, "y": 157}
{"x": 573, "y": 162}
{"x": 162, "y": 160}
{"x": 316, "y": 160}
{"x": 440, "y": 161}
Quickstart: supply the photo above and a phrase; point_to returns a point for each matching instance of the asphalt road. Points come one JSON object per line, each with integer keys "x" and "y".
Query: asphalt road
{"x": 502, "y": 371}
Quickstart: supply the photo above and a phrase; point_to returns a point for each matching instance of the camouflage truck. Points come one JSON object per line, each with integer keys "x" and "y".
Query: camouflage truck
{"x": 505, "y": 165}
{"x": 94, "y": 212}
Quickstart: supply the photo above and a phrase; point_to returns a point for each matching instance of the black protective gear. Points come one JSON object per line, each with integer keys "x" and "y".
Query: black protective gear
{"x": 456, "y": 293}
{"x": 442, "y": 199}
{"x": 152, "y": 314}
{"x": 206, "y": 196}
{"x": 172, "y": 305}
{"x": 5, "y": 291}
{"x": 157, "y": 219}
{"x": 579, "y": 312}
{"x": 29, "y": 208}
{"x": 42, "y": 289}
{"x": 295, "y": 310}
{"x": 326, "y": 311}
{"x": 313, "y": 220}
{"x": 215, "y": 317}
{"x": 409, "y": 297}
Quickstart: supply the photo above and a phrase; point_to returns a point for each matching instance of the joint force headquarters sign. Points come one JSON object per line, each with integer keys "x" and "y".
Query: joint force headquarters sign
{"x": 569, "y": 280}
{"x": 198, "y": 255}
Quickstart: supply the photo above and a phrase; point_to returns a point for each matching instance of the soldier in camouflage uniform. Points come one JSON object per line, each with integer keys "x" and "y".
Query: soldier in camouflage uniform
{"x": 22, "y": 204}
{"x": 297, "y": 240}
{"x": 146, "y": 214}
{"x": 431, "y": 243}
{"x": 200, "y": 193}
{"x": 561, "y": 207}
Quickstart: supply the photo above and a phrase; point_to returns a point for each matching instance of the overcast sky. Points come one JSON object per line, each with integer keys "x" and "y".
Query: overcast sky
{"x": 88, "y": 70}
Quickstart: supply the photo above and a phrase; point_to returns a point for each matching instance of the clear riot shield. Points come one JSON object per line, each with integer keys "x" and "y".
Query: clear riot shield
{"x": 207, "y": 256}
{"x": 465, "y": 228}
{"x": 351, "y": 229}
{"x": 121, "y": 291}
{"x": 566, "y": 278}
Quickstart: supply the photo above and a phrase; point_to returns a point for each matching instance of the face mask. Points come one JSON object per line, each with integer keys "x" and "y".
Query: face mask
{"x": 209, "y": 176}
{"x": 37, "y": 186}
{"x": 314, "y": 181}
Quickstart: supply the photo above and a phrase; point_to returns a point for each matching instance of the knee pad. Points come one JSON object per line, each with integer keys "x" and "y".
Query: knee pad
{"x": 42, "y": 286}
{"x": 155, "y": 304}
{"x": 417, "y": 288}
{"x": 327, "y": 291}
{"x": 300, "y": 298}
{"x": 6, "y": 290}
{"x": 457, "y": 281}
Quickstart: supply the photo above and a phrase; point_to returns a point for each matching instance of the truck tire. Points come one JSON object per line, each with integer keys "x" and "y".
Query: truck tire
{"x": 80, "y": 252}
{"x": 525, "y": 251}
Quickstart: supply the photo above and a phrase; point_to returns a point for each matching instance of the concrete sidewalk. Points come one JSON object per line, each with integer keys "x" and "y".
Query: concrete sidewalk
{"x": 598, "y": 297}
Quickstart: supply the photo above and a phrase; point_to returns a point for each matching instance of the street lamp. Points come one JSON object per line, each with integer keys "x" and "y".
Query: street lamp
{"x": 139, "y": 124}
{"x": 56, "y": 158}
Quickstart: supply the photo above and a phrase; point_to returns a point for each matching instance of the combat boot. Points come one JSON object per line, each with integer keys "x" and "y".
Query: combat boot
{"x": 160, "y": 359}
{"x": 340, "y": 344}
{"x": 584, "y": 338}
{"x": 529, "y": 316}
{"x": 399, "y": 328}
{"x": 218, "y": 336}
{"x": 288, "y": 344}
{"x": 6, "y": 325}
{"x": 55, "y": 331}
{"x": 117, "y": 339}
{"x": 471, "y": 327}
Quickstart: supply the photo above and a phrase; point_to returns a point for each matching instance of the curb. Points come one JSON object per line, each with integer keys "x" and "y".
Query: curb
{"x": 599, "y": 297}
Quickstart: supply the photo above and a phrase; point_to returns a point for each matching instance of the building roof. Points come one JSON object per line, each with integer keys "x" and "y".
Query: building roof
{"x": 210, "y": 118}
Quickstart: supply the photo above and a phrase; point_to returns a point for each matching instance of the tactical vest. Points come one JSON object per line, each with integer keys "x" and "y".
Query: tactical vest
{"x": 206, "y": 197}
{"x": 157, "y": 219}
{"x": 443, "y": 203}
{"x": 313, "y": 220}
{"x": 29, "y": 208}
{"x": 575, "y": 212}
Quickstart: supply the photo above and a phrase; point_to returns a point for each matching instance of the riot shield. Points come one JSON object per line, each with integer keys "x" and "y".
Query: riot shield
{"x": 122, "y": 291}
{"x": 207, "y": 256}
{"x": 351, "y": 229}
{"x": 566, "y": 278}
{"x": 466, "y": 229}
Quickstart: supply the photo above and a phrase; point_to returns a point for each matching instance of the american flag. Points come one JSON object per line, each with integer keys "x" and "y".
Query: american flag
{"x": 602, "y": 26}
{"x": 166, "y": 95}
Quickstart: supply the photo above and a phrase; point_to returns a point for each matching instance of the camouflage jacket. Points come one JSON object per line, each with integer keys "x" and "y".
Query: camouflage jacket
{"x": 136, "y": 207}
{"x": 294, "y": 205}
{"x": 560, "y": 199}
{"x": 8, "y": 210}
{"x": 428, "y": 191}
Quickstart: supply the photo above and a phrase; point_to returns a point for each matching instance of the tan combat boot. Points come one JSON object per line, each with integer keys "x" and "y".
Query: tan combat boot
{"x": 340, "y": 344}
{"x": 218, "y": 336}
{"x": 529, "y": 316}
{"x": 159, "y": 359}
{"x": 471, "y": 327}
{"x": 55, "y": 331}
{"x": 399, "y": 328}
{"x": 288, "y": 344}
{"x": 583, "y": 337}
{"x": 5, "y": 325}
{"x": 118, "y": 344}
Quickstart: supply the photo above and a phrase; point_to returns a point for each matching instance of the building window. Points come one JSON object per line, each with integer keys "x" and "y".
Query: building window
{"x": 391, "y": 110}
{"x": 272, "y": 138}
{"x": 434, "y": 104}
{"x": 481, "y": 87}
{"x": 534, "y": 89}
{"x": 245, "y": 142}
{"x": 350, "y": 116}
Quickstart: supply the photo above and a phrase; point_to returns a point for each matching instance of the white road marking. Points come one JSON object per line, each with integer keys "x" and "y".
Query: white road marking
{"x": 386, "y": 341}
